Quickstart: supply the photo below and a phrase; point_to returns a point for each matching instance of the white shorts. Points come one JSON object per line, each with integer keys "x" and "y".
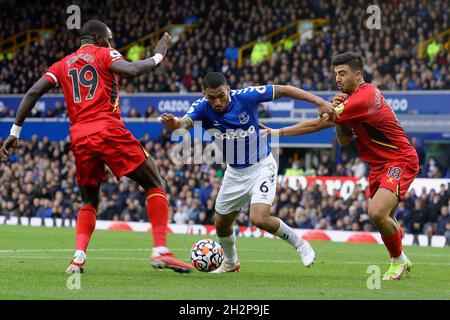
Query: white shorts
{"x": 254, "y": 184}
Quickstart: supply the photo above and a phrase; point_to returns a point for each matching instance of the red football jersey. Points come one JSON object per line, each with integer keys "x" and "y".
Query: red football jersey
{"x": 90, "y": 89}
{"x": 380, "y": 138}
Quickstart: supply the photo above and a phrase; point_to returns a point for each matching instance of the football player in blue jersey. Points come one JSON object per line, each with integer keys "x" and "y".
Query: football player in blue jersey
{"x": 231, "y": 117}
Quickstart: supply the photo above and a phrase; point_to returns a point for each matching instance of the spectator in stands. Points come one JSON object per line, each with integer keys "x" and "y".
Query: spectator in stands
{"x": 285, "y": 43}
{"x": 136, "y": 52}
{"x": 442, "y": 221}
{"x": 325, "y": 160}
{"x": 231, "y": 52}
{"x": 303, "y": 221}
{"x": 133, "y": 211}
{"x": 433, "y": 49}
{"x": 417, "y": 219}
{"x": 180, "y": 217}
{"x": 359, "y": 168}
{"x": 433, "y": 168}
{"x": 134, "y": 113}
{"x": 420, "y": 151}
{"x": 150, "y": 112}
{"x": 444, "y": 194}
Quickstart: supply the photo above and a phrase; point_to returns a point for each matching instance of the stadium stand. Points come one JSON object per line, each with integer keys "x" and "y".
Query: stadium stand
{"x": 391, "y": 63}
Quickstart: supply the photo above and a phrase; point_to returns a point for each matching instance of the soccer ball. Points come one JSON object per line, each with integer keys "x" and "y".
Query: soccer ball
{"x": 206, "y": 255}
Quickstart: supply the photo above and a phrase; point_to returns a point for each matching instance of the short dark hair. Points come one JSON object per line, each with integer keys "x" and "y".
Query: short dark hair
{"x": 350, "y": 58}
{"x": 214, "y": 80}
{"x": 93, "y": 27}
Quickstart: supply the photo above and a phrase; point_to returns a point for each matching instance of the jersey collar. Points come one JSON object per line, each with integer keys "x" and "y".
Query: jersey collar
{"x": 85, "y": 45}
{"x": 359, "y": 85}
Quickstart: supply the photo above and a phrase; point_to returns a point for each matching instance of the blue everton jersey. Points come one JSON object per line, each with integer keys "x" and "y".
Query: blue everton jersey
{"x": 236, "y": 132}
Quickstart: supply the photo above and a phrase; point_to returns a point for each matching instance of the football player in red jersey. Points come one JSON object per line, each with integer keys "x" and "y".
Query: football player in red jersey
{"x": 382, "y": 143}
{"x": 89, "y": 81}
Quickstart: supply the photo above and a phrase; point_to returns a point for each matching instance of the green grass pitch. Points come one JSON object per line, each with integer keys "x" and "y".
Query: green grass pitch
{"x": 33, "y": 261}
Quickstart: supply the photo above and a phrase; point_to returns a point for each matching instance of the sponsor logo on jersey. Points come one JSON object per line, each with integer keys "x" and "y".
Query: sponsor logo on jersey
{"x": 115, "y": 54}
{"x": 237, "y": 134}
{"x": 260, "y": 90}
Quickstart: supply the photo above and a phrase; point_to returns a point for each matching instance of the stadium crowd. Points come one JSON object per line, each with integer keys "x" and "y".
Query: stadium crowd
{"x": 391, "y": 60}
{"x": 39, "y": 181}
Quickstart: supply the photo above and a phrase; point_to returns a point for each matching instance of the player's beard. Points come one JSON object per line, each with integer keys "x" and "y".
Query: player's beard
{"x": 220, "y": 110}
{"x": 346, "y": 90}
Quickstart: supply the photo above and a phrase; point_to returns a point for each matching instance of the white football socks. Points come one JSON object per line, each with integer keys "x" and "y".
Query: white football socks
{"x": 288, "y": 234}
{"x": 229, "y": 246}
{"x": 400, "y": 258}
{"x": 79, "y": 253}
{"x": 156, "y": 251}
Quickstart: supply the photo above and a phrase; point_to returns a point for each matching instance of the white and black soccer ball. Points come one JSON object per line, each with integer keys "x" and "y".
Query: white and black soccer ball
{"x": 206, "y": 255}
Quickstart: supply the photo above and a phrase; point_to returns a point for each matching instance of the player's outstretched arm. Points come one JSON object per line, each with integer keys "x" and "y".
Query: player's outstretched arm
{"x": 137, "y": 68}
{"x": 292, "y": 92}
{"x": 301, "y": 128}
{"x": 173, "y": 123}
{"x": 26, "y": 105}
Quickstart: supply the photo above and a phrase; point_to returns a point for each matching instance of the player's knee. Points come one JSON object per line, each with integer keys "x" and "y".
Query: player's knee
{"x": 378, "y": 214}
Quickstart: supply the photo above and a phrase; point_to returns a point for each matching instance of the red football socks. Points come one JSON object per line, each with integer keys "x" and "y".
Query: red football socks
{"x": 394, "y": 244}
{"x": 158, "y": 214}
{"x": 85, "y": 226}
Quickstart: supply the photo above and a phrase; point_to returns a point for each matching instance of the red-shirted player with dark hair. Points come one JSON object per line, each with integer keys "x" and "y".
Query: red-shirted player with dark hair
{"x": 382, "y": 143}
{"x": 89, "y": 81}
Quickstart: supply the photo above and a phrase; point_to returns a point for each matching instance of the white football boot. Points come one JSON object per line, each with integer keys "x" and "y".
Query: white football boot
{"x": 306, "y": 253}
{"x": 77, "y": 263}
{"x": 228, "y": 266}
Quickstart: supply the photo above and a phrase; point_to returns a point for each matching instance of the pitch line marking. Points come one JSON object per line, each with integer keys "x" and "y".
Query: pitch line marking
{"x": 11, "y": 251}
{"x": 250, "y": 261}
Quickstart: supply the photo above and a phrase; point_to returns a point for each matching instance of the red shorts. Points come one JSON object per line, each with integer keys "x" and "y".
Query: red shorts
{"x": 394, "y": 176}
{"x": 117, "y": 148}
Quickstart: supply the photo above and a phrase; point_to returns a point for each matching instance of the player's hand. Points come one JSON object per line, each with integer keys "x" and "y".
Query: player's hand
{"x": 8, "y": 147}
{"x": 163, "y": 44}
{"x": 326, "y": 110}
{"x": 339, "y": 98}
{"x": 170, "y": 121}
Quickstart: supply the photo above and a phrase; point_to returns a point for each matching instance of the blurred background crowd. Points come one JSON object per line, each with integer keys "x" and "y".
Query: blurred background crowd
{"x": 39, "y": 181}
{"x": 391, "y": 60}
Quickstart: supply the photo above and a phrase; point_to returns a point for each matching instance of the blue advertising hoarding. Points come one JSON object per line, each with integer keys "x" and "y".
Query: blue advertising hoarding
{"x": 403, "y": 102}
{"x": 58, "y": 129}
